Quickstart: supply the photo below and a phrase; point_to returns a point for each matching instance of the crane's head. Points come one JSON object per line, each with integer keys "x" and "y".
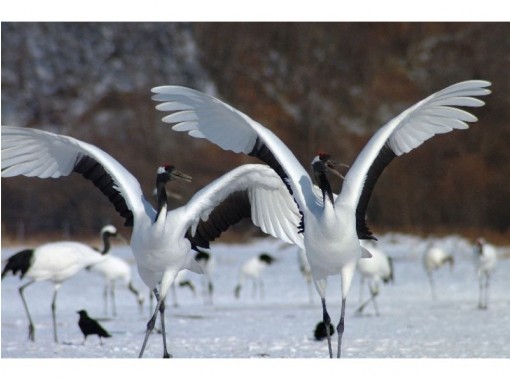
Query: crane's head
{"x": 169, "y": 173}
{"x": 266, "y": 258}
{"x": 109, "y": 230}
{"x": 479, "y": 245}
{"x": 322, "y": 164}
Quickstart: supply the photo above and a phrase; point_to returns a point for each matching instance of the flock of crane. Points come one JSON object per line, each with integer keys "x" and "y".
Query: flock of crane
{"x": 280, "y": 197}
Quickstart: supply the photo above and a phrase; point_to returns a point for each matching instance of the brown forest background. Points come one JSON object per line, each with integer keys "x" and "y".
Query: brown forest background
{"x": 318, "y": 86}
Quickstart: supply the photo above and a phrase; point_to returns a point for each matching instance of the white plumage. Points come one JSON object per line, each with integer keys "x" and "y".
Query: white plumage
{"x": 161, "y": 240}
{"x": 114, "y": 269}
{"x": 332, "y": 228}
{"x": 252, "y": 269}
{"x": 208, "y": 264}
{"x": 485, "y": 259}
{"x": 306, "y": 271}
{"x": 433, "y": 259}
{"x": 376, "y": 269}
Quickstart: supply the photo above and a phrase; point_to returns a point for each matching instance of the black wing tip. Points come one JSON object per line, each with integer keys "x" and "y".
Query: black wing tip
{"x": 19, "y": 262}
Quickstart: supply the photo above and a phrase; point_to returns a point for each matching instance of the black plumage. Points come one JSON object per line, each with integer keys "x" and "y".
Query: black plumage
{"x": 94, "y": 171}
{"x": 233, "y": 209}
{"x": 19, "y": 262}
{"x": 89, "y": 326}
{"x": 385, "y": 156}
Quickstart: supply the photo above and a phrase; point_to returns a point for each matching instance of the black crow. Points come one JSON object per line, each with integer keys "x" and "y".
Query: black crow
{"x": 89, "y": 326}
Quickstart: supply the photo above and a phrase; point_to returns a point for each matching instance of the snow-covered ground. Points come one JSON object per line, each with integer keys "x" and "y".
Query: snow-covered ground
{"x": 411, "y": 324}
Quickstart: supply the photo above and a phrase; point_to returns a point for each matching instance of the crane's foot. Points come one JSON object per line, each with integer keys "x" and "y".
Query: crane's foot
{"x": 31, "y": 333}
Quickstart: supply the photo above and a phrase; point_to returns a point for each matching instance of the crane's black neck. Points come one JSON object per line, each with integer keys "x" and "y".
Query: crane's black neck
{"x": 319, "y": 171}
{"x": 325, "y": 186}
{"x": 106, "y": 243}
{"x": 106, "y": 235}
{"x": 161, "y": 181}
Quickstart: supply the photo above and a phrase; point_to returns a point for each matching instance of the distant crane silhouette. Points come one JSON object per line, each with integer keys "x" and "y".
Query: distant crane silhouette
{"x": 115, "y": 269}
{"x": 375, "y": 269}
{"x": 252, "y": 269}
{"x": 485, "y": 258}
{"x": 181, "y": 281}
{"x": 433, "y": 259}
{"x": 206, "y": 262}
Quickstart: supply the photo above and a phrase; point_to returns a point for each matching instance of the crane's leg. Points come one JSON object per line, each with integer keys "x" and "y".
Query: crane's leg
{"x": 327, "y": 321}
{"x": 54, "y": 311}
{"x": 112, "y": 296}
{"x": 237, "y": 291}
{"x": 31, "y": 329}
{"x": 150, "y": 324}
{"x": 161, "y": 302}
{"x": 374, "y": 292}
{"x": 374, "y": 295}
{"x": 347, "y": 275}
{"x": 432, "y": 286}
{"x": 486, "y": 297}
{"x": 210, "y": 289}
{"x": 361, "y": 285}
{"x": 361, "y": 307}
{"x": 310, "y": 291}
{"x": 340, "y": 329}
{"x": 480, "y": 293}
{"x": 261, "y": 286}
{"x": 139, "y": 299}
{"x": 105, "y": 299}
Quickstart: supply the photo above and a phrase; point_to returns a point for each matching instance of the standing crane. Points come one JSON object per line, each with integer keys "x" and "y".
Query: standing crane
{"x": 55, "y": 262}
{"x": 485, "y": 259}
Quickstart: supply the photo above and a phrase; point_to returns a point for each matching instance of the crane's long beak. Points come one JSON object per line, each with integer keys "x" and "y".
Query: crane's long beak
{"x": 180, "y": 175}
{"x": 330, "y": 164}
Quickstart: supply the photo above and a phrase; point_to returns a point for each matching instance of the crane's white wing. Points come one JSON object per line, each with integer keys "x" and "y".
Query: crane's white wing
{"x": 251, "y": 190}
{"x": 36, "y": 153}
{"x": 434, "y": 115}
{"x": 204, "y": 116}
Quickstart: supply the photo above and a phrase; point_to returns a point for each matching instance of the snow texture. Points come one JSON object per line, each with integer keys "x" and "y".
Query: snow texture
{"x": 281, "y": 325}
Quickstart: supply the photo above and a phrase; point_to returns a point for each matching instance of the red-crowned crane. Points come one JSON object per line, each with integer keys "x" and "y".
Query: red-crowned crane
{"x": 114, "y": 269}
{"x": 375, "y": 269}
{"x": 55, "y": 262}
{"x": 161, "y": 240}
{"x": 252, "y": 269}
{"x": 331, "y": 228}
{"x": 434, "y": 258}
{"x": 485, "y": 259}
